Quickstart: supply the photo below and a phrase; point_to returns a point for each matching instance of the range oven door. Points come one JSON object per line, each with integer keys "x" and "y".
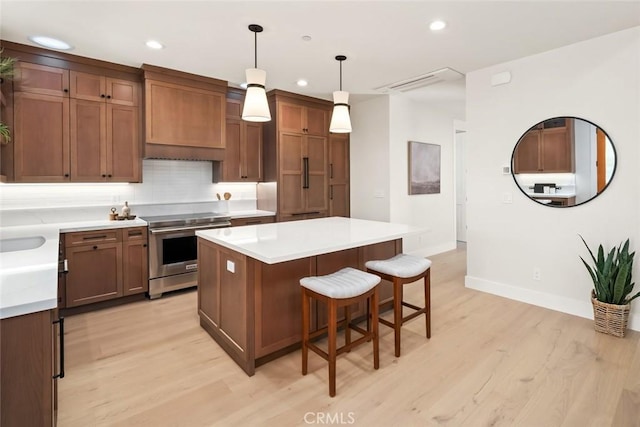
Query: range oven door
{"x": 174, "y": 250}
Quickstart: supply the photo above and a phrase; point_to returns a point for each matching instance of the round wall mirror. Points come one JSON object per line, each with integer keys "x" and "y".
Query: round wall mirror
{"x": 563, "y": 162}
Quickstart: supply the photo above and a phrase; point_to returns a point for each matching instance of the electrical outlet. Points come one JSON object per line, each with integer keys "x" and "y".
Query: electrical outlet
{"x": 231, "y": 266}
{"x": 536, "y": 273}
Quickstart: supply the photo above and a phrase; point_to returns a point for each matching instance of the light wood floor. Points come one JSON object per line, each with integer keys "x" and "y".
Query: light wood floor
{"x": 490, "y": 361}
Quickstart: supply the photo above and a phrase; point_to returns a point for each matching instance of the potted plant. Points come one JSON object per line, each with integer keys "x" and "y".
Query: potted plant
{"x": 612, "y": 286}
{"x": 6, "y": 71}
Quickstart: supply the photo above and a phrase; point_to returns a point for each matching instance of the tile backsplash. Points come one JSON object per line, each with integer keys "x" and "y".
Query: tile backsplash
{"x": 164, "y": 182}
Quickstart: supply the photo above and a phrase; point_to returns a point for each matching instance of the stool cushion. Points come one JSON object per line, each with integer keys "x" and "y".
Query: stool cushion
{"x": 345, "y": 283}
{"x": 401, "y": 265}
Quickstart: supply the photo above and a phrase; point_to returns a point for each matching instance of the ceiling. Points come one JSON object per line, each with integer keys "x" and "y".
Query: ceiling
{"x": 384, "y": 41}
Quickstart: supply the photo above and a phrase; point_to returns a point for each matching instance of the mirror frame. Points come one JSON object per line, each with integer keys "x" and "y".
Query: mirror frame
{"x": 613, "y": 173}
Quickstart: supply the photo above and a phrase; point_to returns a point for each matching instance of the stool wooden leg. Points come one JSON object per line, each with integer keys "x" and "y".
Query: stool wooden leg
{"x": 332, "y": 332}
{"x": 373, "y": 304}
{"x": 397, "y": 312}
{"x": 305, "y": 330}
{"x": 427, "y": 301}
{"x": 347, "y": 329}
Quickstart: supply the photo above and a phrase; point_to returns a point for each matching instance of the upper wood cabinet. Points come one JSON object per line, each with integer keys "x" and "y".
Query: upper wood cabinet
{"x": 42, "y": 79}
{"x": 546, "y": 150}
{"x": 293, "y": 117}
{"x": 243, "y": 150}
{"x": 184, "y": 115}
{"x": 70, "y": 125}
{"x": 339, "y": 197}
{"x": 296, "y": 157}
{"x": 93, "y": 87}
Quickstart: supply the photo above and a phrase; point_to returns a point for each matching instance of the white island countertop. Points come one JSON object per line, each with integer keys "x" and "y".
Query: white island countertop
{"x": 286, "y": 241}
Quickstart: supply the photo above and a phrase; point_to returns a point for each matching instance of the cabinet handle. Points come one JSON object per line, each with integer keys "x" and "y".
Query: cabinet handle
{"x": 305, "y": 172}
{"x": 109, "y": 175}
{"x": 95, "y": 247}
{"x": 330, "y": 170}
{"x": 331, "y": 192}
{"x": 108, "y": 96}
{"x": 65, "y": 90}
{"x": 144, "y": 245}
{"x": 104, "y": 236}
{"x": 102, "y": 95}
{"x": 305, "y": 213}
{"x": 66, "y": 175}
{"x": 60, "y": 321}
{"x": 104, "y": 176}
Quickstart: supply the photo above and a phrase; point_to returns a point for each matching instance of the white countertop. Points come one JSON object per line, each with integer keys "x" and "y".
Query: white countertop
{"x": 29, "y": 278}
{"x": 551, "y": 196}
{"x": 286, "y": 241}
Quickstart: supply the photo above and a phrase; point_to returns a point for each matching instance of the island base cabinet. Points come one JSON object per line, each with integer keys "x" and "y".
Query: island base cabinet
{"x": 28, "y": 363}
{"x": 253, "y": 310}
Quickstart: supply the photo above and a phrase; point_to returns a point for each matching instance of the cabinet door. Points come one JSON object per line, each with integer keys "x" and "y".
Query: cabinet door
{"x": 339, "y": 175}
{"x": 135, "y": 267}
{"x": 231, "y": 166}
{"x": 90, "y": 87}
{"x": 184, "y": 116}
{"x": 41, "y": 79}
{"x": 252, "y": 152}
{"x": 556, "y": 150}
{"x": 27, "y": 363}
{"x": 88, "y": 140}
{"x": 123, "y": 144}
{"x": 290, "y": 189}
{"x": 122, "y": 92}
{"x": 291, "y": 117}
{"x": 527, "y": 157}
{"x": 95, "y": 273}
{"x": 41, "y": 137}
{"x": 317, "y": 121}
{"x": 316, "y": 193}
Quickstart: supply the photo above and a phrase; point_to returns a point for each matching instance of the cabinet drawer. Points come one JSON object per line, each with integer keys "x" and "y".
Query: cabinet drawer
{"x": 88, "y": 237}
{"x": 236, "y": 222}
{"x": 134, "y": 233}
{"x": 304, "y": 215}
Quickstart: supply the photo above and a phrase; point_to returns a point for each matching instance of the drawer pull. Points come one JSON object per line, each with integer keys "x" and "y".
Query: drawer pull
{"x": 94, "y": 237}
{"x": 60, "y": 321}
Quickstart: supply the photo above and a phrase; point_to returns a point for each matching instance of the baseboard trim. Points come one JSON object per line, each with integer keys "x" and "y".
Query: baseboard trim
{"x": 553, "y": 302}
{"x": 434, "y": 250}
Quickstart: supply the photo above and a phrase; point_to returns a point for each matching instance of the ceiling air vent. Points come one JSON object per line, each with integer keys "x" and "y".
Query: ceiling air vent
{"x": 442, "y": 75}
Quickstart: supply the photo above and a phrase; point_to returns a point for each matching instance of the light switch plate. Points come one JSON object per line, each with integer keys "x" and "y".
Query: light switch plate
{"x": 231, "y": 266}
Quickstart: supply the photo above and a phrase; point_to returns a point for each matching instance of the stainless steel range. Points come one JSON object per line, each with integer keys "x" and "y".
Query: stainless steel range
{"x": 173, "y": 249}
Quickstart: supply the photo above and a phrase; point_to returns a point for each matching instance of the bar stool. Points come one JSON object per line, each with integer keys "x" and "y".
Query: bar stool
{"x": 340, "y": 289}
{"x": 400, "y": 270}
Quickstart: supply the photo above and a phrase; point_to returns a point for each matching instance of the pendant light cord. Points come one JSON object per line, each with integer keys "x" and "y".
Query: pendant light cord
{"x": 255, "y": 34}
{"x": 340, "y": 76}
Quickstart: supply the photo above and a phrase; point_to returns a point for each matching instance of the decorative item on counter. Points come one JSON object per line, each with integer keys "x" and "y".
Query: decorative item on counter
{"x": 113, "y": 215}
{"x": 126, "y": 210}
{"x": 227, "y": 196}
{"x": 218, "y": 196}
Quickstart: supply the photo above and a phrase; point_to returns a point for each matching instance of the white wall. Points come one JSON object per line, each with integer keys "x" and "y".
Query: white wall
{"x": 369, "y": 159}
{"x": 598, "y": 80}
{"x": 382, "y": 127}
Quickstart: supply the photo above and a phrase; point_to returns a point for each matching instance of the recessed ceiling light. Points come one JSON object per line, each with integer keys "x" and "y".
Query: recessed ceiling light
{"x": 243, "y": 85}
{"x": 302, "y": 82}
{"x": 153, "y": 44}
{"x": 306, "y": 38}
{"x": 437, "y": 25}
{"x": 50, "y": 42}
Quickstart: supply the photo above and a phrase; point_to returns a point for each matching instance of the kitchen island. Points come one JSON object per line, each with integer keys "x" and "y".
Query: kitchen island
{"x": 249, "y": 297}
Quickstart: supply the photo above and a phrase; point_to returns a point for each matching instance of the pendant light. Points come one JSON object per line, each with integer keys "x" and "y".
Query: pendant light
{"x": 256, "y": 107}
{"x": 340, "y": 120}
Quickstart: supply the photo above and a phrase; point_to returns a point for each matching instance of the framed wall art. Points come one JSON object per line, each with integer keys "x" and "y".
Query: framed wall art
{"x": 424, "y": 168}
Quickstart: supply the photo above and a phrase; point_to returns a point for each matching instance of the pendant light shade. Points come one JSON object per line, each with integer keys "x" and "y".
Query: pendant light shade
{"x": 340, "y": 120}
{"x": 256, "y": 107}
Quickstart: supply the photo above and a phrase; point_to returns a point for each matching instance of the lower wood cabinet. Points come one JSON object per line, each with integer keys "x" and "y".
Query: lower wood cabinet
{"x": 30, "y": 365}
{"x": 105, "y": 264}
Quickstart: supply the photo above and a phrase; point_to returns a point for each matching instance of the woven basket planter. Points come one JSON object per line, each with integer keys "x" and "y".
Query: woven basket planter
{"x": 610, "y": 318}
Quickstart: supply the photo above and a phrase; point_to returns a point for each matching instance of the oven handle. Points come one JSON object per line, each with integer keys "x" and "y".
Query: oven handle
{"x": 195, "y": 227}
